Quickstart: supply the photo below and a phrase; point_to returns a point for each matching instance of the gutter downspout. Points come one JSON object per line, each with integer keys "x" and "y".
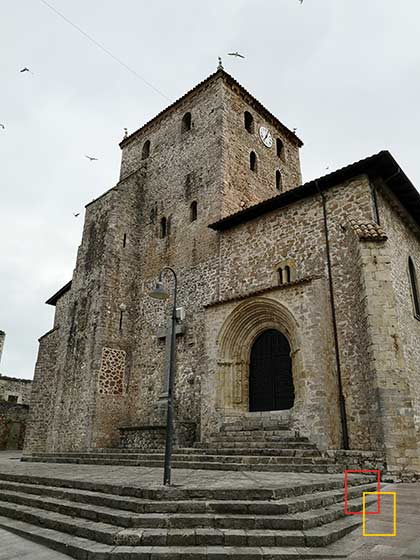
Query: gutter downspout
{"x": 342, "y": 402}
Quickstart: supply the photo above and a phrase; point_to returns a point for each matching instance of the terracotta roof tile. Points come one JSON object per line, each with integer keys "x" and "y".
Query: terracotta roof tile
{"x": 368, "y": 231}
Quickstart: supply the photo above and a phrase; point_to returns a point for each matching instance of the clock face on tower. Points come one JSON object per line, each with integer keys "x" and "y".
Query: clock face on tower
{"x": 266, "y": 137}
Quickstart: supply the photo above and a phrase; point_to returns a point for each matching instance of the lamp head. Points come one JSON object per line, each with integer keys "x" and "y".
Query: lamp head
{"x": 159, "y": 292}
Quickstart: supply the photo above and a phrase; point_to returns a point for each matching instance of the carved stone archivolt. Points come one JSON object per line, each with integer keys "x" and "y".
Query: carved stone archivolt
{"x": 239, "y": 331}
{"x": 111, "y": 373}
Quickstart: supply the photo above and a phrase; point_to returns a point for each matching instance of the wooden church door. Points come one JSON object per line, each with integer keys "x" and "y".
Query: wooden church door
{"x": 270, "y": 375}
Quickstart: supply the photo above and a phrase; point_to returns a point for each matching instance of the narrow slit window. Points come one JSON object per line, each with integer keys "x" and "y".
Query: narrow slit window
{"x": 163, "y": 227}
{"x": 145, "y": 153}
{"x": 279, "y": 148}
{"x": 279, "y": 182}
{"x": 414, "y": 287}
{"x": 253, "y": 161}
{"x": 124, "y": 243}
{"x": 280, "y": 274}
{"x": 287, "y": 273}
{"x": 193, "y": 211}
{"x": 186, "y": 122}
{"x": 249, "y": 122}
{"x": 121, "y": 319}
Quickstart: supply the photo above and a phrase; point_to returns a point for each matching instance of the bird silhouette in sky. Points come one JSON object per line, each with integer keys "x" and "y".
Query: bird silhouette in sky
{"x": 25, "y": 70}
{"x": 301, "y": 1}
{"x": 236, "y": 54}
{"x": 92, "y": 158}
{"x": 2, "y": 126}
{"x": 77, "y": 214}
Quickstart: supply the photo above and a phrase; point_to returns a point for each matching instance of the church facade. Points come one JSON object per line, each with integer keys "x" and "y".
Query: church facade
{"x": 299, "y": 302}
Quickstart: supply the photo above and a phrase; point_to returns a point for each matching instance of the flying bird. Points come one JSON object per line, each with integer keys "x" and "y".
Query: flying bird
{"x": 77, "y": 214}
{"x": 2, "y": 126}
{"x": 301, "y": 1}
{"x": 236, "y": 54}
{"x": 92, "y": 158}
{"x": 25, "y": 70}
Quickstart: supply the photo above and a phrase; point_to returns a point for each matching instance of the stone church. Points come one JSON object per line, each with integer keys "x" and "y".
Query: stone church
{"x": 298, "y": 303}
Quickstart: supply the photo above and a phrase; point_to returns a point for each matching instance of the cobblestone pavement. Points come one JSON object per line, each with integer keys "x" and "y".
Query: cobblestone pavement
{"x": 405, "y": 545}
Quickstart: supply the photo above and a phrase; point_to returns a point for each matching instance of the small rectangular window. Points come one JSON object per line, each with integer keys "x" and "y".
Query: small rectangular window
{"x": 12, "y": 398}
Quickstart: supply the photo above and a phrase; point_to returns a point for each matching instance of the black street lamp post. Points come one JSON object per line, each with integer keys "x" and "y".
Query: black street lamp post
{"x": 160, "y": 293}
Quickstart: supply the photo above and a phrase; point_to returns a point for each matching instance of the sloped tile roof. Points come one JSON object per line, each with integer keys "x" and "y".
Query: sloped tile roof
{"x": 368, "y": 231}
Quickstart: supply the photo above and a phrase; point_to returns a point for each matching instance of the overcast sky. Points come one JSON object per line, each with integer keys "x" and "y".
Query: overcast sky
{"x": 345, "y": 73}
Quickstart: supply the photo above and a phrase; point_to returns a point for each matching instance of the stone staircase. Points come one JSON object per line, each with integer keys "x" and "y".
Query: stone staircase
{"x": 251, "y": 444}
{"x": 97, "y": 520}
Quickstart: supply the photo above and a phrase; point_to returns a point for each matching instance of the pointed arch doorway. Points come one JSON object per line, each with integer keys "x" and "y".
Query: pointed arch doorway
{"x": 270, "y": 373}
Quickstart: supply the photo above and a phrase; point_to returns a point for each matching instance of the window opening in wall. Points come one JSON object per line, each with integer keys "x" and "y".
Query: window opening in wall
{"x": 279, "y": 183}
{"x": 146, "y": 150}
{"x": 163, "y": 227}
{"x": 124, "y": 240}
{"x": 121, "y": 319}
{"x": 253, "y": 161}
{"x": 186, "y": 122}
{"x": 249, "y": 122}
{"x": 193, "y": 211}
{"x": 414, "y": 287}
{"x": 12, "y": 398}
{"x": 279, "y": 147}
{"x": 284, "y": 274}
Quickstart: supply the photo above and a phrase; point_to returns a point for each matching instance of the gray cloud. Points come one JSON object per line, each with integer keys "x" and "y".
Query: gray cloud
{"x": 345, "y": 73}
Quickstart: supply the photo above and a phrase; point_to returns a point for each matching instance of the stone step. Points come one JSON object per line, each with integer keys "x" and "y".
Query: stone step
{"x": 275, "y": 451}
{"x": 325, "y": 467}
{"x": 210, "y": 458}
{"x": 258, "y": 436}
{"x": 262, "y": 451}
{"x": 292, "y": 444}
{"x": 256, "y": 423}
{"x": 286, "y": 528}
{"x": 82, "y": 548}
{"x": 286, "y": 505}
{"x": 172, "y": 493}
{"x": 102, "y": 516}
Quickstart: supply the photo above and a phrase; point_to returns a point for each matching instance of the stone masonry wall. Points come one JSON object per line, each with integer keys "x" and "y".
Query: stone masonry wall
{"x": 249, "y": 256}
{"x": 12, "y": 425}
{"x": 20, "y": 388}
{"x": 243, "y": 187}
{"x": 404, "y": 241}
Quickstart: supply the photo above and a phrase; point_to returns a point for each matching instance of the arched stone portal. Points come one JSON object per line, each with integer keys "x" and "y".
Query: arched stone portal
{"x": 236, "y": 338}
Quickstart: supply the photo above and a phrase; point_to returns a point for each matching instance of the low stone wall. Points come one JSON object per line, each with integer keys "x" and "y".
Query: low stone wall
{"x": 357, "y": 459}
{"x": 12, "y": 425}
{"x": 153, "y": 436}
